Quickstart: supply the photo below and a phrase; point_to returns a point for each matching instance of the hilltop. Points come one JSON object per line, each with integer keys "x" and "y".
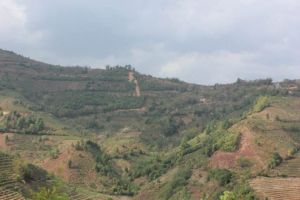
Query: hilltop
{"x": 115, "y": 133}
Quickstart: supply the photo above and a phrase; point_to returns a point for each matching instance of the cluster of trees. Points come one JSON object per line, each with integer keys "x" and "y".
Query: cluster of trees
{"x": 88, "y": 102}
{"x": 32, "y": 173}
{"x": 171, "y": 126}
{"x": 105, "y": 167}
{"x": 152, "y": 167}
{"x": 103, "y": 161}
{"x": 27, "y": 124}
{"x": 118, "y": 67}
{"x": 157, "y": 85}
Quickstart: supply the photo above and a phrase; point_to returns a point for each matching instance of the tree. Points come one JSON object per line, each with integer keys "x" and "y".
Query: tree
{"x": 227, "y": 195}
{"x": 49, "y": 194}
{"x": 70, "y": 163}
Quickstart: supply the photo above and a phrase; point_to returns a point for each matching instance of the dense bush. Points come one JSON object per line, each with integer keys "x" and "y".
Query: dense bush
{"x": 152, "y": 167}
{"x": 275, "y": 160}
{"x": 170, "y": 126}
{"x": 32, "y": 173}
{"x": 223, "y": 176}
{"x": 228, "y": 141}
{"x": 103, "y": 161}
{"x": 227, "y": 195}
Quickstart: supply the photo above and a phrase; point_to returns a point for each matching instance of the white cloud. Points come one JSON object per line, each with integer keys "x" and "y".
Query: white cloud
{"x": 195, "y": 40}
{"x": 14, "y": 24}
{"x": 210, "y": 67}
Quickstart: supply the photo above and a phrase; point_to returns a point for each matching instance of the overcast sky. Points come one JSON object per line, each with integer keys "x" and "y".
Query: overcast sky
{"x": 200, "y": 41}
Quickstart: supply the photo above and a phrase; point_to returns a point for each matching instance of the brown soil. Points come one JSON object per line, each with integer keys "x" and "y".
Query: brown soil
{"x": 131, "y": 78}
{"x": 59, "y": 166}
{"x": 198, "y": 178}
{"x": 247, "y": 149}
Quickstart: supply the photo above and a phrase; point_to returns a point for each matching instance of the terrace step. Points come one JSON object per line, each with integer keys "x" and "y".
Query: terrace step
{"x": 10, "y": 195}
{"x": 276, "y": 188}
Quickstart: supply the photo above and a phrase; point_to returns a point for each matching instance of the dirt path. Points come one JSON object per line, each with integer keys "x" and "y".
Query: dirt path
{"x": 131, "y": 78}
{"x": 3, "y": 145}
{"x": 246, "y": 150}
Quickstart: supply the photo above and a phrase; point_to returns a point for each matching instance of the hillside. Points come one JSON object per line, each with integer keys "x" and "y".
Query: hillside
{"x": 115, "y": 133}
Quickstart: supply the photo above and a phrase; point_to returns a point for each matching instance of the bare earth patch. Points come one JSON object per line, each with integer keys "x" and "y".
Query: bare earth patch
{"x": 59, "y": 166}
{"x": 3, "y": 145}
{"x": 247, "y": 149}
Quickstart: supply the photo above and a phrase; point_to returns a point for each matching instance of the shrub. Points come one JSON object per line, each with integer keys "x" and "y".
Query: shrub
{"x": 228, "y": 141}
{"x": 103, "y": 161}
{"x": 33, "y": 173}
{"x": 275, "y": 160}
{"x": 261, "y": 103}
{"x": 152, "y": 167}
{"x": 244, "y": 162}
{"x": 227, "y": 195}
{"x": 70, "y": 163}
{"x": 179, "y": 180}
{"x": 52, "y": 193}
{"x": 223, "y": 176}
{"x": 54, "y": 153}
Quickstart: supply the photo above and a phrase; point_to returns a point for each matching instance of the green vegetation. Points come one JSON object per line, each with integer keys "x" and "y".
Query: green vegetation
{"x": 152, "y": 167}
{"x": 32, "y": 173}
{"x": 103, "y": 161}
{"x": 178, "y": 181}
{"x": 228, "y": 141}
{"x": 227, "y": 195}
{"x": 26, "y": 124}
{"x": 244, "y": 162}
{"x": 52, "y": 193}
{"x": 275, "y": 160}
{"x": 164, "y": 140}
{"x": 261, "y": 103}
{"x": 105, "y": 167}
{"x": 222, "y": 176}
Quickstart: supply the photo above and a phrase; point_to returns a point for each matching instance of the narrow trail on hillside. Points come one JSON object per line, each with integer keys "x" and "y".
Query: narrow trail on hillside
{"x": 131, "y": 78}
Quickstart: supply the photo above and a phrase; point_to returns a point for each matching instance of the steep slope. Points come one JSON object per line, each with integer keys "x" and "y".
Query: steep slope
{"x": 116, "y": 133}
{"x": 109, "y": 100}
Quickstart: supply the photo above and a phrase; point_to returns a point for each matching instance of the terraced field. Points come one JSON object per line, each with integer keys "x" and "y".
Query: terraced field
{"x": 8, "y": 180}
{"x": 79, "y": 194}
{"x": 277, "y": 188}
{"x": 290, "y": 168}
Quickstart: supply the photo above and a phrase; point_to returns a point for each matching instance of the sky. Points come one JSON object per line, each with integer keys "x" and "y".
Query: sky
{"x": 198, "y": 41}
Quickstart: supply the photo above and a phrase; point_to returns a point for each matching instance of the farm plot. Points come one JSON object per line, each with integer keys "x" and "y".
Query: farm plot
{"x": 9, "y": 185}
{"x": 276, "y": 188}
